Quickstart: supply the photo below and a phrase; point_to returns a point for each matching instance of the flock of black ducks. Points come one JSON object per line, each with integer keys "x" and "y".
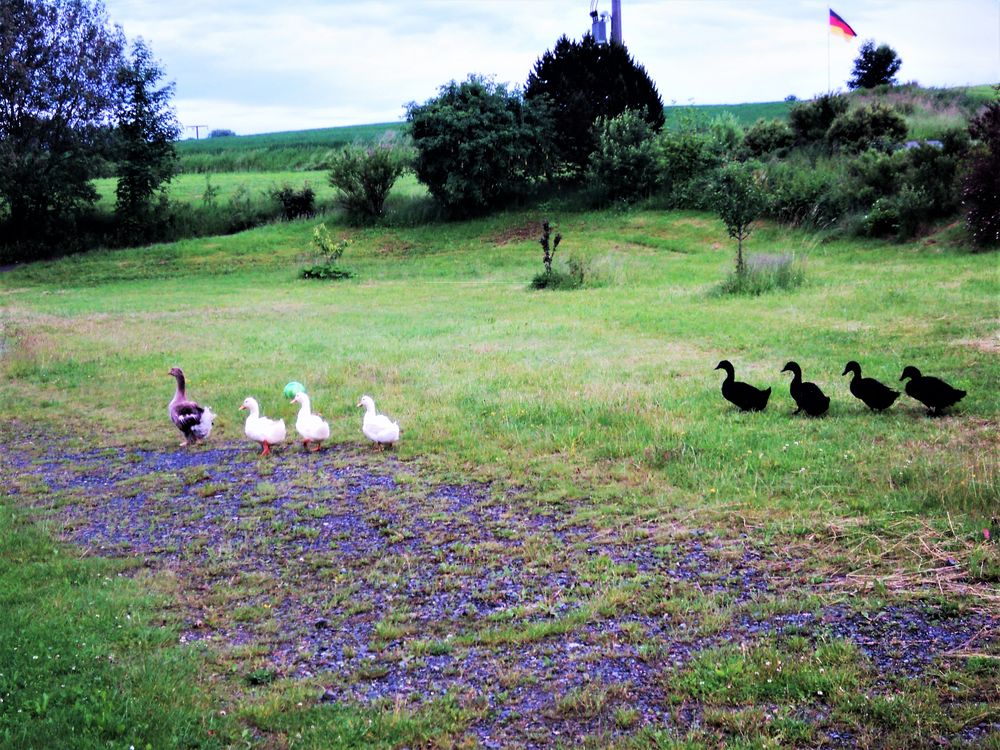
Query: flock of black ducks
{"x": 932, "y": 392}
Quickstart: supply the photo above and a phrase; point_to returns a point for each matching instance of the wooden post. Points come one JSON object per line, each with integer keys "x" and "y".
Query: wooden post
{"x": 616, "y": 21}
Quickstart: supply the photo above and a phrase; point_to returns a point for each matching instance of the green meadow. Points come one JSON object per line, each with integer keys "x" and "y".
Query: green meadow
{"x": 598, "y": 407}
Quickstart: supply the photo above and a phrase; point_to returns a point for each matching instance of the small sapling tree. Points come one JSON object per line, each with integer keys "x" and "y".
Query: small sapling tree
{"x": 738, "y": 200}
{"x": 328, "y": 251}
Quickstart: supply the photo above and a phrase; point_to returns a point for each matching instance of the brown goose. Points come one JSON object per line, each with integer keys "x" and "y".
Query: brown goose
{"x": 193, "y": 420}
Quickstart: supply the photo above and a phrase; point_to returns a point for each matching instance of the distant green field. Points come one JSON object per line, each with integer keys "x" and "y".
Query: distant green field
{"x": 745, "y": 114}
{"x": 296, "y": 150}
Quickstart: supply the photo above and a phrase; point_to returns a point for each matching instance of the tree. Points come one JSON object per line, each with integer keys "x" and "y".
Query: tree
{"x": 738, "y": 200}
{"x": 874, "y": 66}
{"x": 477, "y": 144}
{"x": 583, "y": 81}
{"x": 58, "y": 65}
{"x": 147, "y": 129}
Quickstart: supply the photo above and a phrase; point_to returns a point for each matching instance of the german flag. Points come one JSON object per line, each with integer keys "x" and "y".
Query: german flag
{"x": 840, "y": 27}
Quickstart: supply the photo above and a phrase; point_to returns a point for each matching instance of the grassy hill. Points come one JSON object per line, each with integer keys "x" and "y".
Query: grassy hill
{"x": 577, "y": 536}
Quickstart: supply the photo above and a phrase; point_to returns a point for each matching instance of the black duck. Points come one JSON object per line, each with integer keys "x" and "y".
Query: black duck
{"x": 807, "y": 396}
{"x": 743, "y": 395}
{"x": 875, "y": 395}
{"x": 932, "y": 392}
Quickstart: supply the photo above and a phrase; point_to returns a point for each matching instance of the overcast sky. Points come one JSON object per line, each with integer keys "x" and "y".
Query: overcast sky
{"x": 256, "y": 66}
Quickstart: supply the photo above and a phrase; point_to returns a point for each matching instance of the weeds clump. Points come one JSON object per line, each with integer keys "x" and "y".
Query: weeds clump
{"x": 328, "y": 252}
{"x": 765, "y": 272}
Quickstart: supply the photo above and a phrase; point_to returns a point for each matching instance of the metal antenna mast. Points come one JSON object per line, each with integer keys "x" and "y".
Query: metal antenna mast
{"x": 616, "y": 21}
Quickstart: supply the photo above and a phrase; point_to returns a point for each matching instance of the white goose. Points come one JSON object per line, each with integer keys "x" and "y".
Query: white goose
{"x": 378, "y": 427}
{"x": 310, "y": 427}
{"x": 265, "y": 431}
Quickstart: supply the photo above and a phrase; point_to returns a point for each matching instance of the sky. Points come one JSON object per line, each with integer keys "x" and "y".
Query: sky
{"x": 259, "y": 66}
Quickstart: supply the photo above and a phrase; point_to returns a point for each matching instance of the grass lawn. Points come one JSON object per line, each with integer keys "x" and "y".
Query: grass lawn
{"x": 577, "y": 538}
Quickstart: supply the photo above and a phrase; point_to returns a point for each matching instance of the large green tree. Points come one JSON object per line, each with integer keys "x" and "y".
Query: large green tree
{"x": 58, "y": 86}
{"x": 583, "y": 81}
{"x": 147, "y": 129}
{"x": 874, "y": 66}
{"x": 477, "y": 144}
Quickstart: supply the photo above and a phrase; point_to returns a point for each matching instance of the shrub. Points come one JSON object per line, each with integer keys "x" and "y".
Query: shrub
{"x": 477, "y": 145}
{"x": 763, "y": 273}
{"x": 688, "y": 156}
{"x": 766, "y": 137}
{"x": 572, "y": 276}
{"x": 295, "y": 204}
{"x": 875, "y": 125}
{"x": 810, "y": 120}
{"x": 220, "y": 133}
{"x": 805, "y": 193}
{"x": 624, "y": 166}
{"x": 899, "y": 215}
{"x": 981, "y": 184}
{"x": 364, "y": 177}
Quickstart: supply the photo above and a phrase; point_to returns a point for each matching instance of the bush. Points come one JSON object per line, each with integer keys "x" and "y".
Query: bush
{"x": 981, "y": 184}
{"x": 766, "y": 137}
{"x": 763, "y": 273}
{"x": 875, "y": 125}
{"x": 295, "y": 204}
{"x": 899, "y": 215}
{"x": 572, "y": 275}
{"x": 364, "y": 177}
{"x": 624, "y": 166}
{"x": 809, "y": 121}
{"x": 801, "y": 192}
{"x": 688, "y": 156}
{"x": 220, "y": 133}
{"x": 478, "y": 145}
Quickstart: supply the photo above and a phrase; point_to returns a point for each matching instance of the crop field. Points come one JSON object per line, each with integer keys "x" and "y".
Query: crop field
{"x": 577, "y": 542}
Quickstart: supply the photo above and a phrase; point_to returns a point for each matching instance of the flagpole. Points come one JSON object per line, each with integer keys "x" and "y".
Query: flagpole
{"x": 828, "y": 35}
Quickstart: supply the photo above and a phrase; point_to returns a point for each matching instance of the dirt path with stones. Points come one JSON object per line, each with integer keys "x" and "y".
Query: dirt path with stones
{"x": 355, "y": 570}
